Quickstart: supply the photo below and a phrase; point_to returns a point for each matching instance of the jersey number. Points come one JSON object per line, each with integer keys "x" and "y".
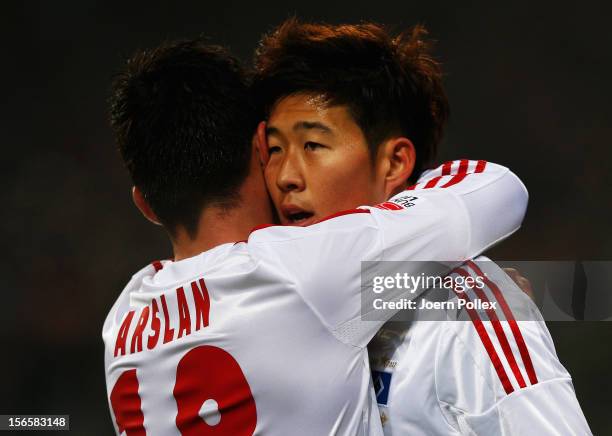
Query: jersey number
{"x": 212, "y": 397}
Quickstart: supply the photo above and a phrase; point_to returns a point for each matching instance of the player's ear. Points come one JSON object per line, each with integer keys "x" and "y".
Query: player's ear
{"x": 143, "y": 206}
{"x": 260, "y": 143}
{"x": 397, "y": 158}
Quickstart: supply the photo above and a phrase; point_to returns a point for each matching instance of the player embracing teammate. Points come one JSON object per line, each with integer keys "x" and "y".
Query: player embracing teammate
{"x": 256, "y": 329}
{"x": 376, "y": 109}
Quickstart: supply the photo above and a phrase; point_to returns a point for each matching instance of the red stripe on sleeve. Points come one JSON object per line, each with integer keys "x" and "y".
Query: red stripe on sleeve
{"x": 516, "y": 331}
{"x": 432, "y": 182}
{"x": 456, "y": 179}
{"x": 499, "y": 331}
{"x": 480, "y": 166}
{"x": 446, "y": 168}
{"x": 461, "y": 174}
{"x": 486, "y": 341}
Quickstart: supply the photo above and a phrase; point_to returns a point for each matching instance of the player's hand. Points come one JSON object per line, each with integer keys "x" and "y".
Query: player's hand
{"x": 522, "y": 282}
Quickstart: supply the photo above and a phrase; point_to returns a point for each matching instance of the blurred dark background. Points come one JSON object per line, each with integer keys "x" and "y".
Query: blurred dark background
{"x": 528, "y": 85}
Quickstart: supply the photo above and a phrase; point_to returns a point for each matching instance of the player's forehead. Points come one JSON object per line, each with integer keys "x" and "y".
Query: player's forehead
{"x": 310, "y": 112}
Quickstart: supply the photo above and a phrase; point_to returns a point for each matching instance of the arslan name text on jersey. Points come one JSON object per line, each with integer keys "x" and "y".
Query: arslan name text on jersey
{"x": 149, "y": 319}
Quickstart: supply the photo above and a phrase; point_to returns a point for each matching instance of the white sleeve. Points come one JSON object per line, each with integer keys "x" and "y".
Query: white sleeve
{"x": 500, "y": 375}
{"x": 441, "y": 223}
{"x": 495, "y": 199}
{"x": 548, "y": 408}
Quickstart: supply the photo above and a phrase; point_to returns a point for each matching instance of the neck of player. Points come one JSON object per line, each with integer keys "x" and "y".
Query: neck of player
{"x": 219, "y": 225}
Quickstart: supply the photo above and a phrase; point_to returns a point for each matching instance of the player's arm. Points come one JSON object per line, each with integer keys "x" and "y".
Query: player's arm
{"x": 544, "y": 403}
{"x": 548, "y": 408}
{"x": 498, "y": 373}
{"x": 495, "y": 198}
{"x": 451, "y": 222}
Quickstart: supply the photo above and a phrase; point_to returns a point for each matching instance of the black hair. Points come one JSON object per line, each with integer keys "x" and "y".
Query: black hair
{"x": 184, "y": 117}
{"x": 391, "y": 85}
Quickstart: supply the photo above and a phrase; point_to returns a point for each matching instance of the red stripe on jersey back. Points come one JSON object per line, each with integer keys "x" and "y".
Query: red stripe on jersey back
{"x": 516, "y": 331}
{"x": 486, "y": 341}
{"x": 499, "y": 331}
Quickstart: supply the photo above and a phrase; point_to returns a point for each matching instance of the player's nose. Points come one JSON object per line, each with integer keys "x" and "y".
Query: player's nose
{"x": 290, "y": 176}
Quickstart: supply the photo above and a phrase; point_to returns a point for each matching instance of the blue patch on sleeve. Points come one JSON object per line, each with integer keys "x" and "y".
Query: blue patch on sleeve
{"x": 382, "y": 383}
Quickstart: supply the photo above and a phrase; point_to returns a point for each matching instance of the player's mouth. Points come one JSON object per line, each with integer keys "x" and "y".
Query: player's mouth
{"x": 296, "y": 216}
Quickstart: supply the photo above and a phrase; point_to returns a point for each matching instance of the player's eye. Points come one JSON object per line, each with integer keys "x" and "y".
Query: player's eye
{"x": 312, "y": 145}
{"x": 273, "y": 149}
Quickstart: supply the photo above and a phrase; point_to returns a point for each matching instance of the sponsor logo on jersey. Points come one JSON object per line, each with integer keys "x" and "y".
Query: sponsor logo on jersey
{"x": 405, "y": 200}
{"x": 382, "y": 383}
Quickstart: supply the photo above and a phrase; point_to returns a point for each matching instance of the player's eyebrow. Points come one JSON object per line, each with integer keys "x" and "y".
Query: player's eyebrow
{"x": 300, "y": 125}
{"x": 271, "y": 130}
{"x": 308, "y": 125}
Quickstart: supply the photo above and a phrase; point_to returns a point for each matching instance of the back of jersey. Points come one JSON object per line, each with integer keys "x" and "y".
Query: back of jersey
{"x": 223, "y": 344}
{"x": 267, "y": 337}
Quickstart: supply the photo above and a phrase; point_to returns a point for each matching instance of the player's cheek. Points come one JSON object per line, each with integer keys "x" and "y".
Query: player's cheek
{"x": 332, "y": 197}
{"x": 270, "y": 175}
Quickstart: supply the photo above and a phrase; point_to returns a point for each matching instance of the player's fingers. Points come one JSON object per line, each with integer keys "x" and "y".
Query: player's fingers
{"x": 525, "y": 285}
{"x": 512, "y": 272}
{"x": 522, "y": 282}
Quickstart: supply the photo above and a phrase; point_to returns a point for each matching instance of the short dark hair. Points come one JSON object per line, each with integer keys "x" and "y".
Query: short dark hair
{"x": 391, "y": 85}
{"x": 183, "y": 116}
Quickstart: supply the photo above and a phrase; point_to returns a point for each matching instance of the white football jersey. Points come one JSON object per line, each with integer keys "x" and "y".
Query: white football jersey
{"x": 481, "y": 372}
{"x": 264, "y": 336}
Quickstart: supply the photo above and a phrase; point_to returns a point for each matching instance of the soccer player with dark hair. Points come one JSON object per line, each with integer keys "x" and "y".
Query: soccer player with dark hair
{"x": 183, "y": 116}
{"x": 355, "y": 116}
{"x": 253, "y": 331}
